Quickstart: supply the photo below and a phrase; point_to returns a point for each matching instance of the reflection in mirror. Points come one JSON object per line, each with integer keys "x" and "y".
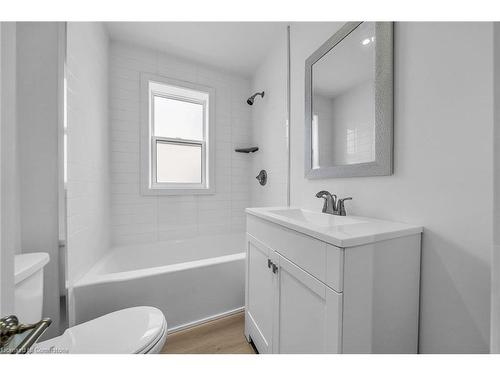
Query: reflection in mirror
{"x": 343, "y": 101}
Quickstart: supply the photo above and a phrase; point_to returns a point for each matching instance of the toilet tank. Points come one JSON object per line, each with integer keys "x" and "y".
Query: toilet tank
{"x": 28, "y": 292}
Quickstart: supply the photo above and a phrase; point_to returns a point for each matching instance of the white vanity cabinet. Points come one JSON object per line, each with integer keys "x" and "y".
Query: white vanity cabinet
{"x": 259, "y": 297}
{"x": 308, "y": 313}
{"x": 306, "y": 295}
{"x": 288, "y": 310}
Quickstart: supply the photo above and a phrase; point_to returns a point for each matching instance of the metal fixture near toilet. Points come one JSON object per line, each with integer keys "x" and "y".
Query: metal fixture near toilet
{"x": 10, "y": 327}
{"x": 262, "y": 177}
{"x": 332, "y": 205}
{"x": 251, "y": 99}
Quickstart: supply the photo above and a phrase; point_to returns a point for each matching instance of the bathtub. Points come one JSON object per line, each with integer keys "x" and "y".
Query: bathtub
{"x": 191, "y": 281}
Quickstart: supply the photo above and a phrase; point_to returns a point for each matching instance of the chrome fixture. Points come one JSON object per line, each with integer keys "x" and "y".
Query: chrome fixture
{"x": 262, "y": 177}
{"x": 272, "y": 266}
{"x": 10, "y": 327}
{"x": 329, "y": 203}
{"x": 251, "y": 99}
{"x": 341, "y": 206}
{"x": 332, "y": 205}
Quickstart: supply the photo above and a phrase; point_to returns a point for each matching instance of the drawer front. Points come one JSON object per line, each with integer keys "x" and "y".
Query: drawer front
{"x": 312, "y": 255}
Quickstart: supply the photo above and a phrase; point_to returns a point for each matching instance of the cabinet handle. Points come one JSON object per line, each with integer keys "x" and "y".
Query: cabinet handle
{"x": 269, "y": 263}
{"x": 275, "y": 268}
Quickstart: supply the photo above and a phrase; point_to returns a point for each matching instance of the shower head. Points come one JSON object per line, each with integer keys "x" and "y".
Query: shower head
{"x": 251, "y": 99}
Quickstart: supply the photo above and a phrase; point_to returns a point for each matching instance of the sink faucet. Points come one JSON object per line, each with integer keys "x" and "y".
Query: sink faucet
{"x": 332, "y": 205}
{"x": 329, "y": 204}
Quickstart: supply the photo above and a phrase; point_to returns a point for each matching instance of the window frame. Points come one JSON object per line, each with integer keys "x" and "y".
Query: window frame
{"x": 149, "y": 184}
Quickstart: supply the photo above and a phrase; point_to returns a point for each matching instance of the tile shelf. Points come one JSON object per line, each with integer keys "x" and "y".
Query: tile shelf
{"x": 247, "y": 150}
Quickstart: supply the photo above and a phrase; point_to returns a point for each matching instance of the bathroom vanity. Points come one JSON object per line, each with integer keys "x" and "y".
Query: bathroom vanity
{"x": 319, "y": 283}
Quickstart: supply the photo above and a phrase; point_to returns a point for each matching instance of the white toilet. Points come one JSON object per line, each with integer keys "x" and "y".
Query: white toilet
{"x": 141, "y": 330}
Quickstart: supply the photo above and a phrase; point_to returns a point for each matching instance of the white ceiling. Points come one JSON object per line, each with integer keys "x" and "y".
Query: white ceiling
{"x": 239, "y": 47}
{"x": 348, "y": 64}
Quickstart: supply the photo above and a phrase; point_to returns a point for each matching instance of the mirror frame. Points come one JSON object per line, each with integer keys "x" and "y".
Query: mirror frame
{"x": 384, "y": 98}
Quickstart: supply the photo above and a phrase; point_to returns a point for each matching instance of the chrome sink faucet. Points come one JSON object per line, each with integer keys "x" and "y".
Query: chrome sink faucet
{"x": 332, "y": 205}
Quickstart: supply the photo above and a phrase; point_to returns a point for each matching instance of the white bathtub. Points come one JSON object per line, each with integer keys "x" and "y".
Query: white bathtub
{"x": 191, "y": 281}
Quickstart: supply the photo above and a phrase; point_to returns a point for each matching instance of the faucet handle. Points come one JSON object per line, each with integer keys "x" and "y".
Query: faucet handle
{"x": 340, "y": 205}
{"x": 345, "y": 199}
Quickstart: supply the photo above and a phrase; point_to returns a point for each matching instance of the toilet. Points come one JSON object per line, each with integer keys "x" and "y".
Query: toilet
{"x": 136, "y": 330}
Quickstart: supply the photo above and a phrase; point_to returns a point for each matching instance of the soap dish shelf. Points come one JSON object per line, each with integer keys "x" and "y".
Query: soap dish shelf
{"x": 247, "y": 150}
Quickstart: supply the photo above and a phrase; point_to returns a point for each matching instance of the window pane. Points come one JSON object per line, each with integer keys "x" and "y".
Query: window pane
{"x": 178, "y": 163}
{"x": 177, "y": 119}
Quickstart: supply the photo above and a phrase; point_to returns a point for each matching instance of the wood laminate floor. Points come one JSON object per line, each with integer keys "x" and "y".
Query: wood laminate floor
{"x": 221, "y": 336}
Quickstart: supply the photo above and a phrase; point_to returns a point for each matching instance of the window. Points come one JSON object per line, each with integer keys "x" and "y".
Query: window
{"x": 177, "y": 147}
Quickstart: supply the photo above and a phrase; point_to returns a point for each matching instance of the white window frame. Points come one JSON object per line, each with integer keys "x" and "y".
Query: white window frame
{"x": 149, "y": 184}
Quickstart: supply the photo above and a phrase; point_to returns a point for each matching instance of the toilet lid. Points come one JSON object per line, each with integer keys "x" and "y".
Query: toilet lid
{"x": 128, "y": 331}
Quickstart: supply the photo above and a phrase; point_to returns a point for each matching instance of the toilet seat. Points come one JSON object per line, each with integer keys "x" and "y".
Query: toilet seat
{"x": 134, "y": 330}
{"x": 157, "y": 345}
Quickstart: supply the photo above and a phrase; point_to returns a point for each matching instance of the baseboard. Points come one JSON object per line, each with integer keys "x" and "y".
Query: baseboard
{"x": 205, "y": 320}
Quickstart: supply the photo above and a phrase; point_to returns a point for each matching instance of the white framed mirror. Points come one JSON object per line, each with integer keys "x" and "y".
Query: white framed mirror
{"x": 349, "y": 103}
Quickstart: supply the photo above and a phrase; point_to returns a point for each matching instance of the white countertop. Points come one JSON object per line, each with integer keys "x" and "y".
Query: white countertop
{"x": 341, "y": 231}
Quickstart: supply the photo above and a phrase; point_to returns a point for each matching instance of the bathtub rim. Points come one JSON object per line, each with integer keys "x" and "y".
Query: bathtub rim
{"x": 92, "y": 278}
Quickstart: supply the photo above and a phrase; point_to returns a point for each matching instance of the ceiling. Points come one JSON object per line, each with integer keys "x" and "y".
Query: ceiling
{"x": 348, "y": 64}
{"x": 238, "y": 47}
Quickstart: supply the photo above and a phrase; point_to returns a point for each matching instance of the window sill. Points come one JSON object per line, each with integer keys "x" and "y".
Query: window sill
{"x": 160, "y": 192}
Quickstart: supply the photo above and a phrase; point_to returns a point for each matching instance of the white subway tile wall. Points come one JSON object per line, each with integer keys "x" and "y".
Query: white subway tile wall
{"x": 136, "y": 218}
{"x": 88, "y": 147}
{"x": 269, "y": 115}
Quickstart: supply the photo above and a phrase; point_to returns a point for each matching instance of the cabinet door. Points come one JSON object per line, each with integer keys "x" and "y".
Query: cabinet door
{"x": 309, "y": 314}
{"x": 259, "y": 296}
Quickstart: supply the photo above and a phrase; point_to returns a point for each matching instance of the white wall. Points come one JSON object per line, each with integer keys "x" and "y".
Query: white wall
{"x": 10, "y": 235}
{"x": 442, "y": 169}
{"x": 495, "y": 265}
{"x": 88, "y": 148}
{"x": 269, "y": 128}
{"x": 136, "y": 218}
{"x": 39, "y": 69}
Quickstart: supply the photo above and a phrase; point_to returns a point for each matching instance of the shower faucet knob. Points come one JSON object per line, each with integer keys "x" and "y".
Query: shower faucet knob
{"x": 262, "y": 177}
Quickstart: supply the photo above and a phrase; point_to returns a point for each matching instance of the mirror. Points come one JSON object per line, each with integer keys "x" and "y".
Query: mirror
{"x": 349, "y": 103}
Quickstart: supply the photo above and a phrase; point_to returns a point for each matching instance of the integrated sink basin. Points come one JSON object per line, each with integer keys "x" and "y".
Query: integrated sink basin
{"x": 341, "y": 231}
{"x": 314, "y": 218}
